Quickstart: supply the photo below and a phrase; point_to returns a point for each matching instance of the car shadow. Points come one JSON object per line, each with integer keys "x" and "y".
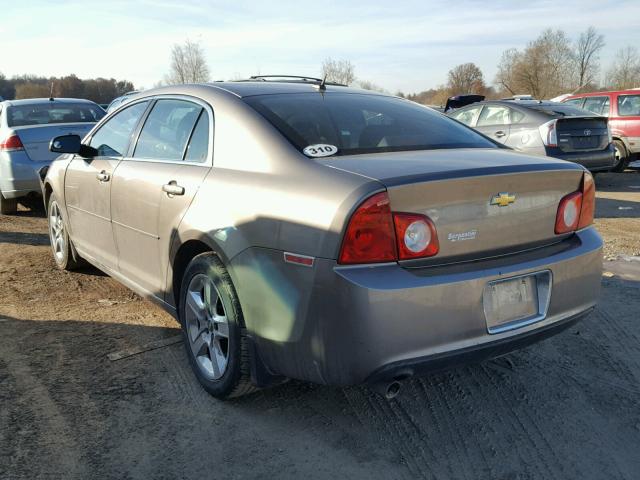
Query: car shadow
{"x": 24, "y": 238}
{"x": 612, "y": 208}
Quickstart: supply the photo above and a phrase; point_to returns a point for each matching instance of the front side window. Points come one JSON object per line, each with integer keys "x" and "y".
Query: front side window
{"x": 596, "y": 104}
{"x": 53, "y": 112}
{"x": 466, "y": 116}
{"x": 112, "y": 139}
{"x": 362, "y": 123}
{"x": 167, "y": 130}
{"x": 629, "y": 105}
{"x": 494, "y": 115}
{"x": 576, "y": 102}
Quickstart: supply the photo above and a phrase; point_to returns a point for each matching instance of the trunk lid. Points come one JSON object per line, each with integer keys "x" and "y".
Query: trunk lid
{"x": 462, "y": 190}
{"x": 582, "y": 134}
{"x": 36, "y": 138}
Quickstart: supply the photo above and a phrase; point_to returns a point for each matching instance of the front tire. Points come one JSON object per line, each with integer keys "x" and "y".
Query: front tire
{"x": 59, "y": 237}
{"x": 622, "y": 156}
{"x": 213, "y": 330}
{"x": 8, "y": 206}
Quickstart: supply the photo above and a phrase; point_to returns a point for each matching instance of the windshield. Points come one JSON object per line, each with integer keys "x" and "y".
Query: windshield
{"x": 561, "y": 110}
{"x": 360, "y": 123}
{"x": 45, "y": 113}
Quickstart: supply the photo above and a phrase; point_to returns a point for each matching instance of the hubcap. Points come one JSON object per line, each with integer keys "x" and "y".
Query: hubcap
{"x": 56, "y": 232}
{"x": 207, "y": 327}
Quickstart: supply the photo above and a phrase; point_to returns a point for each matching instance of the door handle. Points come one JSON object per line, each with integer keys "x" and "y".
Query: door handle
{"x": 172, "y": 188}
{"x": 499, "y": 133}
{"x": 103, "y": 176}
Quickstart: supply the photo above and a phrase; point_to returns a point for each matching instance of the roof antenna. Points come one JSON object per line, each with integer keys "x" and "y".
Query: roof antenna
{"x": 51, "y": 92}
{"x": 323, "y": 84}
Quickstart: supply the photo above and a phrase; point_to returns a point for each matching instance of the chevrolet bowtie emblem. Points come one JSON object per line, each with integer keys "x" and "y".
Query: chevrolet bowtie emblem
{"x": 503, "y": 199}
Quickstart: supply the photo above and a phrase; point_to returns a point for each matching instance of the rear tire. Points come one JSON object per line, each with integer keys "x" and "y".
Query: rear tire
{"x": 622, "y": 156}
{"x": 8, "y": 206}
{"x": 59, "y": 238}
{"x": 213, "y": 329}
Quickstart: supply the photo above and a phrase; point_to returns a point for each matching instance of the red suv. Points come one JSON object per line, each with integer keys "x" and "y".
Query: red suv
{"x": 623, "y": 110}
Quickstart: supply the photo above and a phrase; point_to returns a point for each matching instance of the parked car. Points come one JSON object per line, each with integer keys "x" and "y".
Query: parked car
{"x": 324, "y": 233}
{"x": 544, "y": 128}
{"x": 26, "y": 128}
{"x": 121, "y": 100}
{"x": 623, "y": 109}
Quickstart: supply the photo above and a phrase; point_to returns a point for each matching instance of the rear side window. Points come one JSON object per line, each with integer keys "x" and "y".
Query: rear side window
{"x": 629, "y": 105}
{"x": 167, "y": 130}
{"x": 361, "y": 123}
{"x": 198, "y": 147}
{"x": 53, "y": 112}
{"x": 112, "y": 139}
{"x": 494, "y": 115}
{"x": 597, "y": 105}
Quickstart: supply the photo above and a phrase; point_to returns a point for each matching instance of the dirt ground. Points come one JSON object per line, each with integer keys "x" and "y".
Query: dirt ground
{"x": 566, "y": 408}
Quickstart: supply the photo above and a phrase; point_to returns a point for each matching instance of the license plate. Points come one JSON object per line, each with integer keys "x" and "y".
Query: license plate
{"x": 515, "y": 302}
{"x": 585, "y": 142}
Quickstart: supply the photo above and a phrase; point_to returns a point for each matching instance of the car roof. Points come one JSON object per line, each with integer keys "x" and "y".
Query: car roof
{"x": 37, "y": 101}
{"x": 251, "y": 88}
{"x": 630, "y": 91}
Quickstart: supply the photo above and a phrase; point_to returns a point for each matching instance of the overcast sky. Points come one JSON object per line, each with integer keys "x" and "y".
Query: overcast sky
{"x": 402, "y": 45}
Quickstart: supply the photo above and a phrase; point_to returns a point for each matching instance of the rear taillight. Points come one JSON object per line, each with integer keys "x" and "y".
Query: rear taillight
{"x": 375, "y": 234}
{"x": 12, "y": 142}
{"x": 416, "y": 236}
{"x": 549, "y": 134}
{"x": 370, "y": 235}
{"x": 576, "y": 210}
{"x": 588, "y": 201}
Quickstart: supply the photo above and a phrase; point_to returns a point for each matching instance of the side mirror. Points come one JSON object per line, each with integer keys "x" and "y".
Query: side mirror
{"x": 65, "y": 144}
{"x": 71, "y": 144}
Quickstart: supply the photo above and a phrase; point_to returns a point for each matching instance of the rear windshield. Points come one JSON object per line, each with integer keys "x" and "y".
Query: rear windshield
{"x": 629, "y": 105}
{"x": 561, "y": 110}
{"x": 360, "y": 123}
{"x": 45, "y": 113}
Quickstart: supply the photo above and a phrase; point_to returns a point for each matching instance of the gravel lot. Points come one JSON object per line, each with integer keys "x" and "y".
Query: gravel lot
{"x": 565, "y": 408}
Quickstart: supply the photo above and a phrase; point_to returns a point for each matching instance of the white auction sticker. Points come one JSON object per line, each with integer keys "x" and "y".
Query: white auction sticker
{"x": 320, "y": 150}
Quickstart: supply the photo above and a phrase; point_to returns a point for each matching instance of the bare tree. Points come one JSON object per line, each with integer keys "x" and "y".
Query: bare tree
{"x": 543, "y": 69}
{"x": 466, "y": 78}
{"x": 625, "y": 71}
{"x": 339, "y": 71}
{"x": 587, "y": 50}
{"x": 506, "y": 76}
{"x": 188, "y": 64}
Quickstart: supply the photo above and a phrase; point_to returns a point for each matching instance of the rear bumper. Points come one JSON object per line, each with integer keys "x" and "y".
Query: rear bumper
{"x": 597, "y": 161}
{"x": 473, "y": 354}
{"x": 345, "y": 325}
{"x": 19, "y": 174}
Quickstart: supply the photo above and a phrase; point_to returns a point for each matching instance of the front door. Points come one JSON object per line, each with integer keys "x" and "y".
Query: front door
{"x": 88, "y": 187}
{"x": 494, "y": 122}
{"x": 154, "y": 187}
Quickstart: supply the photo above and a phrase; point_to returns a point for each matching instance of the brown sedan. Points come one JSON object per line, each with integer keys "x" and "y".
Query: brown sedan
{"x": 322, "y": 233}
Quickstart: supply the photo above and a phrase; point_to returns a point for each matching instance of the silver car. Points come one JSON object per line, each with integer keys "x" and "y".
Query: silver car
{"x": 323, "y": 233}
{"x": 26, "y": 128}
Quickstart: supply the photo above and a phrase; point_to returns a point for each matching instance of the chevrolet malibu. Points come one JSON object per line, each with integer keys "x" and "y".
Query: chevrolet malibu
{"x": 322, "y": 233}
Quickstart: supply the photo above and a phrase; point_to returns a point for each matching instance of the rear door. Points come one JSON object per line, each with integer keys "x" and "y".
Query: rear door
{"x": 155, "y": 184}
{"x": 494, "y": 122}
{"x": 88, "y": 186}
{"x": 627, "y": 123}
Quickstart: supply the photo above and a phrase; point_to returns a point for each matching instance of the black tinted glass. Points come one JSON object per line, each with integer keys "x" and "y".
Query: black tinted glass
{"x": 52, "y": 112}
{"x": 560, "y": 110}
{"x": 356, "y": 123}
{"x": 112, "y": 139}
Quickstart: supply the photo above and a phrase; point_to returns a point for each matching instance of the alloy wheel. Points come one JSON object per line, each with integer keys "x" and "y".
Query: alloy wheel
{"x": 207, "y": 327}
{"x": 56, "y": 232}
